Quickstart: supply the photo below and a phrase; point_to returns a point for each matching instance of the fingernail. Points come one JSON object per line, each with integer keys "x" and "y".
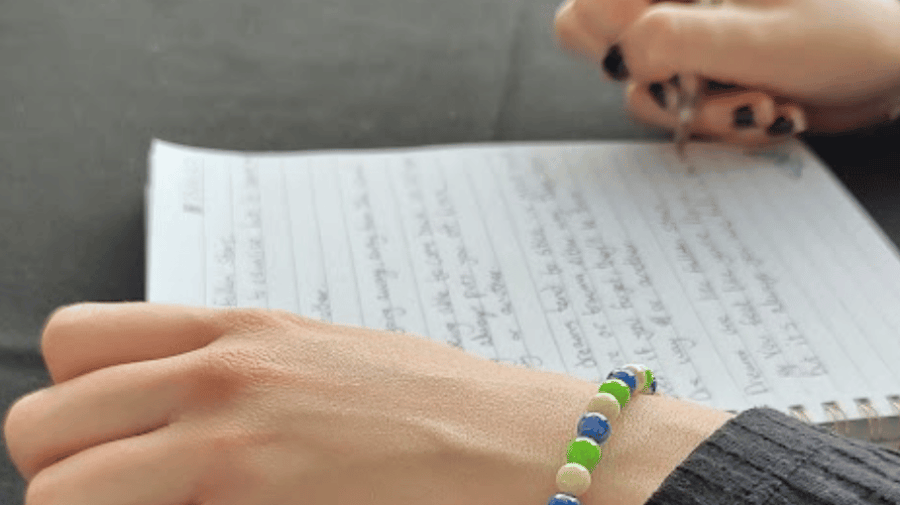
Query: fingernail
{"x": 743, "y": 117}
{"x": 659, "y": 94}
{"x": 781, "y": 126}
{"x": 614, "y": 64}
{"x": 675, "y": 81}
{"x": 718, "y": 86}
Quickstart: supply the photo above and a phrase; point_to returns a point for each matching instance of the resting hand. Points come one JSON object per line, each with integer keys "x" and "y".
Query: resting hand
{"x": 827, "y": 65}
{"x": 169, "y": 405}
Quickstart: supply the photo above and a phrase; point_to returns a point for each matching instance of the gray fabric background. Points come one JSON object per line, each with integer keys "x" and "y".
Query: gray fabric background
{"x": 86, "y": 84}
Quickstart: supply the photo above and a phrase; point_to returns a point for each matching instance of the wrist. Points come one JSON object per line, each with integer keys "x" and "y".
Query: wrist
{"x": 651, "y": 436}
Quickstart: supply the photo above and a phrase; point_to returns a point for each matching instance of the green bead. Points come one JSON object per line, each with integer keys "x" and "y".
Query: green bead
{"x": 585, "y": 452}
{"x": 618, "y": 389}
{"x": 649, "y": 375}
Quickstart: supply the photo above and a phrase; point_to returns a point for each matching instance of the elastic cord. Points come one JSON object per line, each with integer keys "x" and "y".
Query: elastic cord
{"x": 574, "y": 478}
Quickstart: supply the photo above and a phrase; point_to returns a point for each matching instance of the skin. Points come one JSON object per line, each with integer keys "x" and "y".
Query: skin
{"x": 832, "y": 66}
{"x": 167, "y": 405}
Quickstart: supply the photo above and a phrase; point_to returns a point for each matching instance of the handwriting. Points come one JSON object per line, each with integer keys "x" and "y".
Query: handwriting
{"x": 373, "y": 241}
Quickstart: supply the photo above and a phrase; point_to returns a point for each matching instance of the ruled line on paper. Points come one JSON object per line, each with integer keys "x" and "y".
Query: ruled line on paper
{"x": 567, "y": 257}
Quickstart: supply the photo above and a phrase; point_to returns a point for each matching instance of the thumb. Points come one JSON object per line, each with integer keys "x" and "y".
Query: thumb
{"x": 728, "y": 43}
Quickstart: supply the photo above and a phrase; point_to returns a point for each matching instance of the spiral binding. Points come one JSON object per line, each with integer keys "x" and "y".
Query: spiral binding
{"x": 841, "y": 422}
{"x": 799, "y": 412}
{"x": 837, "y": 416}
{"x": 865, "y": 406}
{"x": 894, "y": 400}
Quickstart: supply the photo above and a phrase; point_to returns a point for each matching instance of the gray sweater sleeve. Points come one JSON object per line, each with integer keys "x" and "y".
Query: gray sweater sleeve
{"x": 762, "y": 456}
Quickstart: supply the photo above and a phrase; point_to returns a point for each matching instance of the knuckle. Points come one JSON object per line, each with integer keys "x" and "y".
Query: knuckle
{"x": 622, "y": 15}
{"x": 571, "y": 31}
{"x": 579, "y": 9}
{"x": 288, "y": 316}
{"x": 660, "y": 21}
{"x": 253, "y": 353}
{"x": 566, "y": 29}
{"x": 217, "y": 373}
{"x": 651, "y": 44}
{"x": 244, "y": 319}
{"x": 585, "y": 14}
{"x": 222, "y": 373}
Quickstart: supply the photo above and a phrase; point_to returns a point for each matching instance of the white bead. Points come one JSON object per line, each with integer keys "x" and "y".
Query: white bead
{"x": 573, "y": 479}
{"x": 606, "y": 404}
{"x": 640, "y": 371}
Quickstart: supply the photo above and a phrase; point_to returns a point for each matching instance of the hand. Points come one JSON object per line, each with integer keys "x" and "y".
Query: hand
{"x": 827, "y": 65}
{"x": 169, "y": 405}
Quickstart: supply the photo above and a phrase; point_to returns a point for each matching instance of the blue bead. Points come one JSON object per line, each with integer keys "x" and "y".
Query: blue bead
{"x": 652, "y": 388}
{"x": 594, "y": 425}
{"x": 626, "y": 376}
{"x": 563, "y": 499}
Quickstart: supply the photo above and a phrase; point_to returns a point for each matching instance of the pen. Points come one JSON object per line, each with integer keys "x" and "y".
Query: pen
{"x": 690, "y": 91}
{"x": 687, "y": 109}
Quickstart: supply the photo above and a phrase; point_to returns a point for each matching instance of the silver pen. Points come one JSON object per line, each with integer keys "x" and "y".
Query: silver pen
{"x": 688, "y": 96}
{"x": 690, "y": 93}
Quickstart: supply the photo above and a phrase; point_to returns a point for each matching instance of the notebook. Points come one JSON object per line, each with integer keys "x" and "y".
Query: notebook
{"x": 741, "y": 279}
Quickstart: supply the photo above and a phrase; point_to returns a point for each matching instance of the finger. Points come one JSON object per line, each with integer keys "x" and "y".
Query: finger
{"x": 590, "y": 27}
{"x": 736, "y": 116}
{"x": 789, "y": 121}
{"x": 572, "y": 35}
{"x": 150, "y": 469}
{"x": 715, "y": 42}
{"x": 80, "y": 338}
{"x": 104, "y": 405}
{"x": 657, "y": 104}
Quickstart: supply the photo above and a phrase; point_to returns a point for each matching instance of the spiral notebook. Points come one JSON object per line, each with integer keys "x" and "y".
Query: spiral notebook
{"x": 742, "y": 280}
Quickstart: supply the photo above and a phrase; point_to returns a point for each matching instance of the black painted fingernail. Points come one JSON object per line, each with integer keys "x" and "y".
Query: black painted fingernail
{"x": 718, "y": 86}
{"x": 743, "y": 117}
{"x": 659, "y": 94}
{"x": 781, "y": 126}
{"x": 614, "y": 64}
{"x": 674, "y": 81}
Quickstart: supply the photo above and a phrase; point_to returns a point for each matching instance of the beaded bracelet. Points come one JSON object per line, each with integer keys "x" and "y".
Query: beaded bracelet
{"x": 574, "y": 478}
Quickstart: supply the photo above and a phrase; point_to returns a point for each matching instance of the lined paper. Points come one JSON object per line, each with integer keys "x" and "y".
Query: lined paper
{"x": 742, "y": 281}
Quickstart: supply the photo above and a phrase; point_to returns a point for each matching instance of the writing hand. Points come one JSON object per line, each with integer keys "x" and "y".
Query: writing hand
{"x": 824, "y": 65}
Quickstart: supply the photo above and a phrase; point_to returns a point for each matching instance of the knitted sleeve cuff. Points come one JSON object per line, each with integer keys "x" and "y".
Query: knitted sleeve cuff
{"x": 762, "y": 456}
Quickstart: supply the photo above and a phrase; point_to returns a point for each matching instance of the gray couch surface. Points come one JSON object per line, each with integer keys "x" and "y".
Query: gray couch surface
{"x": 86, "y": 84}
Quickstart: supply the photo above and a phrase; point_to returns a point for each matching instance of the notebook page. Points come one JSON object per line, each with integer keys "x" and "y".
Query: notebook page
{"x": 570, "y": 257}
{"x": 855, "y": 302}
{"x": 752, "y": 212}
